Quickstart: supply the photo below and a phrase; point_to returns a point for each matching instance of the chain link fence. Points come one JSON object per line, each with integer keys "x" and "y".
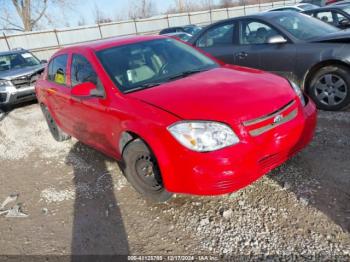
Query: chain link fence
{"x": 44, "y": 43}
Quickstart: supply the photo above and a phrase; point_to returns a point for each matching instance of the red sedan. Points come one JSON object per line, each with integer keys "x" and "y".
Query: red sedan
{"x": 180, "y": 121}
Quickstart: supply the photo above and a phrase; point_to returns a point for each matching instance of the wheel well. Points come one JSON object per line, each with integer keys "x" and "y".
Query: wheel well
{"x": 317, "y": 67}
{"x": 126, "y": 138}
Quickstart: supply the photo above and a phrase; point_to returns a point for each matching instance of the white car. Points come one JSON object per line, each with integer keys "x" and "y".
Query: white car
{"x": 296, "y": 8}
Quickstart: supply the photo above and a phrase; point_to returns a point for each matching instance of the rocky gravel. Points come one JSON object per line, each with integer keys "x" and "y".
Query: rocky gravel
{"x": 78, "y": 202}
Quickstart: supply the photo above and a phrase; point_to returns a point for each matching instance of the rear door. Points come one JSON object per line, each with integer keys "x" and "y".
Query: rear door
{"x": 58, "y": 92}
{"x": 256, "y": 51}
{"x": 220, "y": 41}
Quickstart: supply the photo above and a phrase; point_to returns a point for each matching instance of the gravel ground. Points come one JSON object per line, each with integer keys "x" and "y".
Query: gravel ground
{"x": 79, "y": 203}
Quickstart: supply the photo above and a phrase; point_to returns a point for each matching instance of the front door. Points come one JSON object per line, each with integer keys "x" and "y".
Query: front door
{"x": 92, "y": 124}
{"x": 255, "y": 50}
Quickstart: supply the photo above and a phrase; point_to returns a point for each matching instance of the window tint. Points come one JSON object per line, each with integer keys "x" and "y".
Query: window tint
{"x": 253, "y": 32}
{"x": 302, "y": 26}
{"x": 325, "y": 16}
{"x": 142, "y": 65}
{"x": 82, "y": 71}
{"x": 218, "y": 36}
{"x": 339, "y": 17}
{"x": 57, "y": 69}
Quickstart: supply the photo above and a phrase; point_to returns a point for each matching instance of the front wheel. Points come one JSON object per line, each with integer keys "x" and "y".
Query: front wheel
{"x": 330, "y": 88}
{"x": 142, "y": 171}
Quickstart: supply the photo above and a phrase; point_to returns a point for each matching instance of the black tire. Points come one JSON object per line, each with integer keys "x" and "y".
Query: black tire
{"x": 56, "y": 132}
{"x": 2, "y": 114}
{"x": 330, "y": 88}
{"x": 142, "y": 171}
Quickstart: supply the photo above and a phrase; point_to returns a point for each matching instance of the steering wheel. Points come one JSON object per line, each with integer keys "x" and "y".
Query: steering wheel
{"x": 162, "y": 69}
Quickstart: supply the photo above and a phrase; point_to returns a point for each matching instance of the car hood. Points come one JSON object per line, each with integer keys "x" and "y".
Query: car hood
{"x": 226, "y": 94}
{"x": 341, "y": 36}
{"x": 18, "y": 72}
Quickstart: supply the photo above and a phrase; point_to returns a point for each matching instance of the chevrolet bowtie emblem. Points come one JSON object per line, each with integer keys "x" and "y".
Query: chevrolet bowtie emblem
{"x": 277, "y": 119}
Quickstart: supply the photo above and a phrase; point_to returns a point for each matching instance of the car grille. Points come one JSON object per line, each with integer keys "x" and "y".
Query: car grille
{"x": 269, "y": 162}
{"x": 24, "y": 81}
{"x": 265, "y": 123}
{"x": 3, "y": 97}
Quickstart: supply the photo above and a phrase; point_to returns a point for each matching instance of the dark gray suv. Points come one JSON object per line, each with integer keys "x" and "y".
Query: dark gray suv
{"x": 19, "y": 70}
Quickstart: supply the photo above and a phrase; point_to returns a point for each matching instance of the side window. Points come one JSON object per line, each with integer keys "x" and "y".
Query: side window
{"x": 82, "y": 71}
{"x": 339, "y": 17}
{"x": 57, "y": 69}
{"x": 325, "y": 16}
{"x": 254, "y": 32}
{"x": 218, "y": 36}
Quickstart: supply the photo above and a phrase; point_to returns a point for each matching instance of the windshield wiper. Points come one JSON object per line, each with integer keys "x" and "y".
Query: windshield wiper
{"x": 187, "y": 73}
{"x": 143, "y": 86}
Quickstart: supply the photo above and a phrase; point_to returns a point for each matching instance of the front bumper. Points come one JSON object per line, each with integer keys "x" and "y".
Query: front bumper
{"x": 13, "y": 95}
{"x": 229, "y": 169}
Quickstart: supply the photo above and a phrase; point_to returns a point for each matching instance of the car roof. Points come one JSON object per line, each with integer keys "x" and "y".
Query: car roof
{"x": 177, "y": 33}
{"x": 16, "y": 51}
{"x": 329, "y": 7}
{"x": 261, "y": 15}
{"x": 285, "y": 7}
{"x": 110, "y": 42}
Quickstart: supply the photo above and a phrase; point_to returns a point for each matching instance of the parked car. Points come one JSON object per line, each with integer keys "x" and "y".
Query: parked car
{"x": 180, "y": 121}
{"x": 336, "y": 15}
{"x": 341, "y": 2}
{"x": 190, "y": 29}
{"x": 180, "y": 36}
{"x": 296, "y": 8}
{"x": 301, "y": 48}
{"x": 320, "y": 2}
{"x": 19, "y": 70}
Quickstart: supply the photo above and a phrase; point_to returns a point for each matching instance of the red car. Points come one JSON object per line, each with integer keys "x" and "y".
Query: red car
{"x": 180, "y": 121}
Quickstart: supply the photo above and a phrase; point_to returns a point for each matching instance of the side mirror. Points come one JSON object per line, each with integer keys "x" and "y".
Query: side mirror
{"x": 344, "y": 23}
{"x": 44, "y": 61}
{"x": 277, "y": 39}
{"x": 87, "y": 89}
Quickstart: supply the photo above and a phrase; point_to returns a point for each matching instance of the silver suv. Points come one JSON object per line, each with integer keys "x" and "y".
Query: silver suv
{"x": 19, "y": 70}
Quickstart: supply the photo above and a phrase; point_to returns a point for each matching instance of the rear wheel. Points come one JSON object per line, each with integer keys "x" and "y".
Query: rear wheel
{"x": 142, "y": 171}
{"x": 56, "y": 132}
{"x": 2, "y": 114}
{"x": 330, "y": 88}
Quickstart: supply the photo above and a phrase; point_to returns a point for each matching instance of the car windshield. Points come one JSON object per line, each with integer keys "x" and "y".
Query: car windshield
{"x": 146, "y": 64}
{"x": 346, "y": 9}
{"x": 192, "y": 29}
{"x": 303, "y": 27}
{"x": 17, "y": 60}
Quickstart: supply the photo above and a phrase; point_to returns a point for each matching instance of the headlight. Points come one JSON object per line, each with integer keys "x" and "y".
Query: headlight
{"x": 298, "y": 91}
{"x": 203, "y": 136}
{"x": 4, "y": 84}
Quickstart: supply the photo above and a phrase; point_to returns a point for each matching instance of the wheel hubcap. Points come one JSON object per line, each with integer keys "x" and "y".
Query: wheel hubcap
{"x": 147, "y": 172}
{"x": 331, "y": 89}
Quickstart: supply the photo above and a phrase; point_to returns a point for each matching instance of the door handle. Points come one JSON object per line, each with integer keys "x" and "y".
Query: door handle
{"x": 241, "y": 55}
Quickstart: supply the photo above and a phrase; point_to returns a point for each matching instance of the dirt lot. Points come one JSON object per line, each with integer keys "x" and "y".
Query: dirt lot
{"x": 78, "y": 202}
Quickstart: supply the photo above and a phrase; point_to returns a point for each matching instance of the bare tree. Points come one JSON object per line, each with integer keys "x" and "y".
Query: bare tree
{"x": 25, "y": 15}
{"x": 81, "y": 21}
{"x": 226, "y": 3}
{"x": 142, "y": 9}
{"x": 189, "y": 6}
{"x": 207, "y": 4}
{"x": 99, "y": 16}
